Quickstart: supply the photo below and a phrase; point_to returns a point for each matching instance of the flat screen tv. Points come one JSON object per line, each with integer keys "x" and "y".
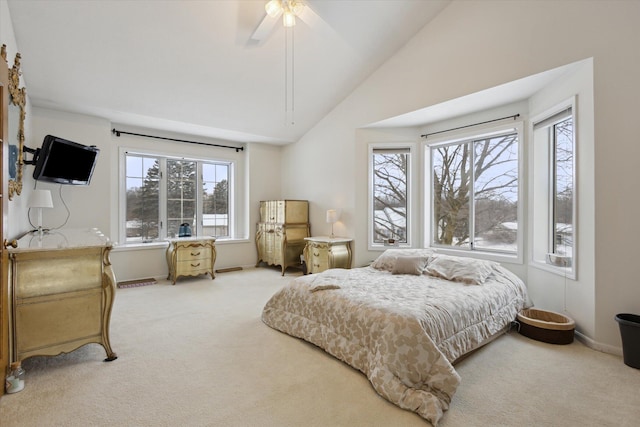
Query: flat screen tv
{"x": 65, "y": 162}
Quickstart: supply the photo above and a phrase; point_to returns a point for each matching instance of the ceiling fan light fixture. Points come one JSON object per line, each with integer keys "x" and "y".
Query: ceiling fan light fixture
{"x": 288, "y": 19}
{"x": 296, "y": 7}
{"x": 273, "y": 8}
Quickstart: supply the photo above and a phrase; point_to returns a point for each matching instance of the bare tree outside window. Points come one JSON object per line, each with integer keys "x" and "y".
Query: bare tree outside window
{"x": 563, "y": 188}
{"x": 390, "y": 172}
{"x": 475, "y": 193}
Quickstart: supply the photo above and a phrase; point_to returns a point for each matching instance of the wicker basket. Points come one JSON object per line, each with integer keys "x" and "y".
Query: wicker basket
{"x": 546, "y": 326}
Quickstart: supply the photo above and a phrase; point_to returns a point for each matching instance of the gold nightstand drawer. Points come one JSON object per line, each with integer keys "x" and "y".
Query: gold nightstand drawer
{"x": 193, "y": 253}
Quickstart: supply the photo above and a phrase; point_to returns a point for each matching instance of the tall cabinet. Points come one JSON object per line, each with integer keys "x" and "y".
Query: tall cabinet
{"x": 281, "y": 231}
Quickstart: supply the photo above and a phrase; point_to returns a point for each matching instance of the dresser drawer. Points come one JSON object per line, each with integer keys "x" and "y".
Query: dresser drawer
{"x": 186, "y": 254}
{"x": 193, "y": 267}
{"x": 319, "y": 258}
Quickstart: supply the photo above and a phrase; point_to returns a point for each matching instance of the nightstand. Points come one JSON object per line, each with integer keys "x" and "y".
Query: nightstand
{"x": 322, "y": 253}
{"x": 191, "y": 256}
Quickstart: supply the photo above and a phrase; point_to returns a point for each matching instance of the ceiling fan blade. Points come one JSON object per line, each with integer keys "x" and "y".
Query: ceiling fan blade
{"x": 264, "y": 28}
{"x": 310, "y": 17}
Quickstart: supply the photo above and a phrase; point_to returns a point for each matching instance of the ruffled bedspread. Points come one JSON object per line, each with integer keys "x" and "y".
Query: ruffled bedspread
{"x": 402, "y": 331}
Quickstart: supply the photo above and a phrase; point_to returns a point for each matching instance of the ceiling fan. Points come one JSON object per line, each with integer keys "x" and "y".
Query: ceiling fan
{"x": 288, "y": 9}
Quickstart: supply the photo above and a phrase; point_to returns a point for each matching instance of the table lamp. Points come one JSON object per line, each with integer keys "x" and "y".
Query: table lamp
{"x": 40, "y": 199}
{"x": 332, "y": 217}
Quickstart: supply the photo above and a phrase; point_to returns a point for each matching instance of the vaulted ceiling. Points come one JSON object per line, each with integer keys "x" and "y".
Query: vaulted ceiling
{"x": 193, "y": 67}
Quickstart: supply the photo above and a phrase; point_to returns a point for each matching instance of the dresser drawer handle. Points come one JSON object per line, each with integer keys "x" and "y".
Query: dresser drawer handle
{"x": 316, "y": 254}
{"x": 195, "y": 254}
{"x": 195, "y": 265}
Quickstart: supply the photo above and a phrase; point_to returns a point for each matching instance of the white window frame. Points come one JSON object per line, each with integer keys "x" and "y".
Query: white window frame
{"x": 542, "y": 189}
{"x": 476, "y": 132}
{"x": 235, "y": 228}
{"x": 411, "y": 190}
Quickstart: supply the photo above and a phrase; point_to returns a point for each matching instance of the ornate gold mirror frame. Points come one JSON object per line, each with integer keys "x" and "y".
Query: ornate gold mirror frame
{"x": 18, "y": 98}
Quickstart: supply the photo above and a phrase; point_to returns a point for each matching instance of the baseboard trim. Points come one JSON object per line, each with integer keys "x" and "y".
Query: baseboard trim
{"x": 604, "y": 348}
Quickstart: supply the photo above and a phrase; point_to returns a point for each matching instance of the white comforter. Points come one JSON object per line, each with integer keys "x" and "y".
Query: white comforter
{"x": 402, "y": 331}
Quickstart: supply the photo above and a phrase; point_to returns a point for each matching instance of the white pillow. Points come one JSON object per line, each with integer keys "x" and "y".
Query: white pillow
{"x": 460, "y": 269}
{"x": 410, "y": 265}
{"x": 387, "y": 260}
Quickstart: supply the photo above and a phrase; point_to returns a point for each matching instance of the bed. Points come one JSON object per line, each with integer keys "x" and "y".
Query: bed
{"x": 403, "y": 321}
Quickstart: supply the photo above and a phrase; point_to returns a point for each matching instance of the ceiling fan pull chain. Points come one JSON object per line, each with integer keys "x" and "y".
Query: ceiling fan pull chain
{"x": 286, "y": 76}
{"x": 293, "y": 80}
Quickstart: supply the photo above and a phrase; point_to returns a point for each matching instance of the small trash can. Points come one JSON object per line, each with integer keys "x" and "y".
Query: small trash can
{"x": 630, "y": 333}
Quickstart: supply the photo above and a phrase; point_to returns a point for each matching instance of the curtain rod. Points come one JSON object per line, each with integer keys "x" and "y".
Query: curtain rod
{"x": 515, "y": 116}
{"x": 118, "y": 132}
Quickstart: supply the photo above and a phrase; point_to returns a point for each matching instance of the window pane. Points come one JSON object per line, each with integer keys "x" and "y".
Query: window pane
{"x": 215, "y": 197}
{"x": 451, "y": 192}
{"x": 496, "y": 193}
{"x": 563, "y": 186}
{"x": 475, "y": 194}
{"x": 142, "y": 216}
{"x": 181, "y": 195}
{"x": 390, "y": 171}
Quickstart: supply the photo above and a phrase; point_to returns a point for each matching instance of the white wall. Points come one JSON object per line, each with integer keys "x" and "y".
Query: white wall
{"x": 575, "y": 298}
{"x": 89, "y": 206}
{"x": 472, "y": 46}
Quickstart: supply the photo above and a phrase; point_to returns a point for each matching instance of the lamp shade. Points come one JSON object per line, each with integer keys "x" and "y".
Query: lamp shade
{"x": 40, "y": 199}
{"x": 332, "y": 216}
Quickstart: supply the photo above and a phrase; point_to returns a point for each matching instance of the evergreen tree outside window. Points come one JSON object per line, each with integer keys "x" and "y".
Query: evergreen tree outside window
{"x": 181, "y": 195}
{"x": 216, "y": 199}
{"x": 164, "y": 192}
{"x": 142, "y": 198}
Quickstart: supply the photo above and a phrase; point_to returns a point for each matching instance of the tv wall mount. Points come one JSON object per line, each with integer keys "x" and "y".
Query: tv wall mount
{"x": 34, "y": 151}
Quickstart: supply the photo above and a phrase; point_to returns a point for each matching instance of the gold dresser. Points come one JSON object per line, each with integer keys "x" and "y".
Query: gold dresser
{"x": 191, "y": 256}
{"x": 281, "y": 231}
{"x": 62, "y": 288}
{"x": 322, "y": 253}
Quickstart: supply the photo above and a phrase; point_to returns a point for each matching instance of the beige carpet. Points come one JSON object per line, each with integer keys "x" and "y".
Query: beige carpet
{"x": 197, "y": 354}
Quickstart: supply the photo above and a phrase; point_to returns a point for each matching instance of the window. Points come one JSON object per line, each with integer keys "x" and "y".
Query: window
{"x": 562, "y": 198}
{"x": 142, "y": 177}
{"x": 215, "y": 211}
{"x": 553, "y": 214}
{"x": 163, "y": 192}
{"x": 389, "y": 194}
{"x": 474, "y": 192}
{"x": 181, "y": 195}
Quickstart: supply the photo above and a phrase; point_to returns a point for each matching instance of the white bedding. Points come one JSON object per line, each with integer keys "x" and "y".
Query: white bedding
{"x": 403, "y": 331}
